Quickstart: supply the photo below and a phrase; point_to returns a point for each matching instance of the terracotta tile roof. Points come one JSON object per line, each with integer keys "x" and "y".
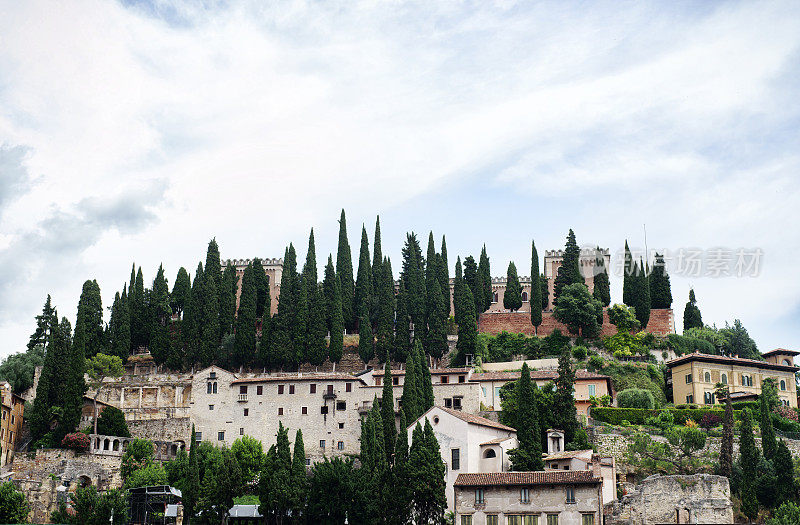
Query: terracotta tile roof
{"x": 568, "y": 454}
{"x": 297, "y": 378}
{"x": 544, "y": 477}
{"x": 434, "y": 371}
{"x": 477, "y": 420}
{"x": 709, "y": 358}
{"x": 495, "y": 441}
{"x": 535, "y": 374}
{"x": 781, "y": 351}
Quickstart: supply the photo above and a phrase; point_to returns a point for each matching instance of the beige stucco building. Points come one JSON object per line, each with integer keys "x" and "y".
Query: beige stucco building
{"x": 551, "y": 497}
{"x": 559, "y": 459}
{"x": 13, "y": 409}
{"x": 694, "y": 376}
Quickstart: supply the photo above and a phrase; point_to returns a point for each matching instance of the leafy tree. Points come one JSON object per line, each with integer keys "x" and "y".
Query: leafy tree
{"x": 677, "y": 455}
{"x": 569, "y": 272}
{"x": 564, "y": 398}
{"x": 221, "y": 484}
{"x": 344, "y": 271}
{"x": 536, "y": 290}
{"x": 636, "y": 398}
{"x": 364, "y": 292}
{"x": 660, "y": 291}
{"x": 99, "y": 368}
{"x": 14, "y": 506}
{"x": 528, "y": 456}
{"x": 44, "y": 323}
{"x": 338, "y": 494}
{"x": 577, "y": 309}
{"x": 249, "y": 455}
{"x": 366, "y": 342}
{"x": 726, "y": 447}
{"x": 602, "y": 287}
{"x": 485, "y": 277}
{"x": 333, "y": 299}
{"x": 787, "y": 513}
{"x": 245, "y": 334}
{"x": 150, "y": 475}
{"x": 387, "y": 413}
{"x": 624, "y": 318}
{"x": 19, "y": 369}
{"x": 748, "y": 461}
{"x": 274, "y": 484}
{"x": 138, "y": 455}
{"x": 427, "y": 471}
{"x": 512, "y": 298}
{"x": 691, "y": 313}
{"x": 413, "y": 279}
{"x": 91, "y": 508}
{"x": 386, "y": 309}
{"x": 90, "y": 318}
{"x": 112, "y": 423}
{"x": 181, "y": 290}
{"x": 738, "y": 342}
{"x": 299, "y": 479}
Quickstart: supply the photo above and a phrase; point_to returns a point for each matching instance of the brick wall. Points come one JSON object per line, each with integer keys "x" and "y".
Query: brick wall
{"x": 661, "y": 323}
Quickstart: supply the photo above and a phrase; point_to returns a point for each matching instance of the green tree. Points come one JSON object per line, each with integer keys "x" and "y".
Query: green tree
{"x": 120, "y": 326}
{"x": 363, "y": 292}
{"x": 386, "y": 310}
{"x": 640, "y": 293}
{"x": 468, "y": 328}
{"x": 262, "y": 290}
{"x": 738, "y": 342}
{"x": 152, "y": 474}
{"x": 564, "y": 398}
{"x": 274, "y": 483}
{"x": 99, "y": 368}
{"x": 602, "y": 287}
{"x": 660, "y": 290}
{"x": 344, "y": 271}
{"x": 192, "y": 491}
{"x": 49, "y": 392}
{"x": 691, "y": 313}
{"x": 458, "y": 293}
{"x": 281, "y": 343}
{"x": 427, "y": 471}
{"x": 377, "y": 273}
{"x": 433, "y": 312}
{"x": 436, "y": 336}
{"x": 512, "y": 298}
{"x": 569, "y": 272}
{"x": 159, "y": 316}
{"x": 786, "y": 514}
{"x": 768, "y": 442}
{"x": 366, "y": 342}
{"x": 221, "y": 484}
{"x": 577, "y": 309}
{"x": 209, "y": 308}
{"x": 299, "y": 479}
{"x": 73, "y": 369}
{"x": 245, "y": 334}
{"x": 402, "y": 334}
{"x": 387, "y": 413}
{"x": 624, "y": 318}
{"x": 412, "y": 279}
{"x": 627, "y": 273}
{"x": 444, "y": 276}
{"x": 44, "y": 322}
{"x": 316, "y": 351}
{"x": 678, "y": 455}
{"x": 333, "y": 299}
{"x": 528, "y": 456}
{"x": 249, "y": 455}
{"x": 90, "y": 318}
{"x": 423, "y": 379}
{"x": 475, "y": 284}
{"x": 748, "y": 461}
{"x": 190, "y": 326}
{"x": 229, "y": 285}
{"x": 14, "y": 506}
{"x": 545, "y": 289}
{"x": 726, "y": 447}
{"x": 138, "y": 455}
{"x": 410, "y": 399}
{"x": 784, "y": 468}
{"x": 181, "y": 291}
{"x": 91, "y": 508}
{"x": 138, "y": 309}
{"x": 535, "y": 298}
{"x": 111, "y": 422}
{"x": 485, "y": 277}
{"x": 338, "y": 494}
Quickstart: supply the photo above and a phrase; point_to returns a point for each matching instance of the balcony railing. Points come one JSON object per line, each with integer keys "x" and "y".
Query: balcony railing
{"x": 242, "y": 397}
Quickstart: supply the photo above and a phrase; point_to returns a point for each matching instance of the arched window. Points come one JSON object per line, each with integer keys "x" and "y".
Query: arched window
{"x": 490, "y": 453}
{"x": 494, "y": 297}
{"x": 787, "y": 362}
{"x": 783, "y": 384}
{"x": 524, "y": 297}
{"x": 707, "y": 377}
{"x": 724, "y": 379}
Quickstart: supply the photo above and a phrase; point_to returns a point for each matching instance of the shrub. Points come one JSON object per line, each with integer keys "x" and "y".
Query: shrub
{"x": 711, "y": 420}
{"x": 76, "y": 441}
{"x": 663, "y": 420}
{"x": 639, "y": 416}
{"x": 579, "y": 353}
{"x": 786, "y": 412}
{"x": 111, "y": 422}
{"x": 636, "y": 398}
{"x": 555, "y": 343}
{"x": 596, "y": 362}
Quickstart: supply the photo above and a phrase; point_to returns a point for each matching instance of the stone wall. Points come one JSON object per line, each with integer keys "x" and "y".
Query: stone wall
{"x": 661, "y": 322}
{"x": 700, "y": 498}
{"x": 175, "y": 429}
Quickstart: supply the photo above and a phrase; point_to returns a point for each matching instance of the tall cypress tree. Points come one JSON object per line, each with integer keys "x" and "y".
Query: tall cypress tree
{"x": 120, "y": 326}
{"x": 410, "y": 400}
{"x": 386, "y": 311}
{"x": 749, "y": 459}
{"x": 316, "y": 328}
{"x": 244, "y": 345}
{"x": 74, "y": 385}
{"x": 427, "y": 476}
{"x": 213, "y": 262}
{"x": 160, "y": 317}
{"x": 229, "y": 284}
{"x": 179, "y": 297}
{"x": 784, "y": 468}
{"x": 193, "y": 482}
{"x": 458, "y": 293}
{"x": 726, "y": 446}
{"x": 281, "y": 345}
{"x": 691, "y": 313}
{"x": 44, "y": 322}
{"x": 564, "y": 399}
{"x": 467, "y": 328}
{"x": 402, "y": 493}
{"x": 402, "y": 339}
{"x": 379, "y": 449}
{"x": 640, "y": 293}
{"x": 423, "y": 379}
{"x": 377, "y": 273}
{"x": 536, "y": 290}
{"x": 602, "y": 287}
{"x": 512, "y": 298}
{"x": 190, "y": 328}
{"x": 444, "y": 277}
{"x": 333, "y": 299}
{"x": 209, "y": 318}
{"x": 363, "y": 294}
{"x": 366, "y": 342}
{"x": 344, "y": 271}
{"x": 50, "y": 388}
{"x": 137, "y": 306}
{"x": 436, "y": 337}
{"x": 660, "y": 291}
{"x": 768, "y": 442}
{"x": 262, "y": 287}
{"x": 485, "y": 277}
{"x": 266, "y": 328}
{"x": 413, "y": 277}
{"x": 627, "y": 277}
{"x": 529, "y": 454}
{"x": 90, "y": 318}
{"x": 545, "y": 289}
{"x": 387, "y": 413}
{"x": 299, "y": 478}
{"x": 569, "y": 272}
{"x": 475, "y": 284}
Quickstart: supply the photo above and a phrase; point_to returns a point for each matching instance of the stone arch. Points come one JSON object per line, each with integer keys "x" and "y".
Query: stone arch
{"x": 115, "y": 445}
{"x": 84, "y": 481}
{"x": 106, "y": 444}
{"x": 524, "y": 297}
{"x": 490, "y": 453}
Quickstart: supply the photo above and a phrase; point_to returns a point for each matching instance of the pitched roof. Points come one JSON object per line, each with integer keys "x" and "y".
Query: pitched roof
{"x": 568, "y": 454}
{"x": 544, "y": 477}
{"x": 434, "y": 371}
{"x": 495, "y": 441}
{"x": 725, "y": 360}
{"x": 297, "y": 377}
{"x": 535, "y": 374}
{"x": 781, "y": 351}
{"x": 476, "y": 420}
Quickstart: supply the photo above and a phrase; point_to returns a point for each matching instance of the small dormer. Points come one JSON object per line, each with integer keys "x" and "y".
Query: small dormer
{"x": 781, "y": 356}
{"x": 555, "y": 441}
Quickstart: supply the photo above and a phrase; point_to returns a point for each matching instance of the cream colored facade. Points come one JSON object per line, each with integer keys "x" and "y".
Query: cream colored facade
{"x": 695, "y": 376}
{"x": 13, "y": 409}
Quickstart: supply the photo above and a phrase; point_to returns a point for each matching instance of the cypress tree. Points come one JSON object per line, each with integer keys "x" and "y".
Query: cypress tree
{"x": 179, "y": 297}
{"x": 458, "y": 293}
{"x": 602, "y": 287}
{"x": 485, "y": 277}
{"x": 244, "y": 345}
{"x": 74, "y": 385}
{"x": 512, "y": 298}
{"x": 545, "y": 290}
{"x": 691, "y": 313}
{"x": 436, "y": 337}
{"x": 344, "y": 271}
{"x": 387, "y": 413}
{"x": 367, "y": 453}
{"x": 423, "y": 379}
{"x": 427, "y": 473}
{"x": 333, "y": 298}
{"x": 213, "y": 262}
{"x": 160, "y": 317}
{"x": 90, "y": 318}
{"x": 281, "y": 341}
{"x": 749, "y": 459}
{"x": 193, "y": 481}
{"x": 192, "y": 317}
{"x": 726, "y": 447}
{"x": 768, "y": 442}
{"x": 784, "y": 468}
{"x": 262, "y": 287}
{"x": 627, "y": 277}
{"x": 377, "y": 273}
{"x": 363, "y": 293}
{"x": 136, "y": 303}
{"x": 386, "y": 308}
{"x": 475, "y": 284}
{"x": 51, "y": 380}
{"x": 379, "y": 450}
{"x": 467, "y": 328}
{"x": 44, "y": 323}
{"x": 209, "y": 319}
{"x": 444, "y": 277}
{"x": 227, "y": 301}
{"x": 299, "y": 479}
{"x": 402, "y": 492}
{"x": 315, "y": 347}
{"x": 121, "y": 326}
{"x": 529, "y": 454}
{"x": 413, "y": 277}
{"x": 366, "y": 342}
{"x": 564, "y": 399}
{"x": 569, "y": 272}
{"x": 266, "y": 329}
{"x": 536, "y": 290}
{"x": 410, "y": 400}
{"x": 402, "y": 339}
{"x": 298, "y": 329}
{"x": 660, "y": 291}
{"x": 640, "y": 293}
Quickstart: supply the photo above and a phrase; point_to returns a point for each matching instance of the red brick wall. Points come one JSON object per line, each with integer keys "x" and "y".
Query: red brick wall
{"x": 661, "y": 323}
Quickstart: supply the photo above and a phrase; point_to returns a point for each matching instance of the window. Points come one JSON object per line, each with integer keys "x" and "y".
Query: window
{"x": 280, "y": 389}
{"x": 492, "y": 519}
{"x": 479, "y": 497}
{"x": 304, "y": 411}
{"x": 291, "y": 389}
{"x": 708, "y": 398}
{"x": 747, "y": 380}
{"x": 212, "y": 375}
{"x": 243, "y": 389}
{"x": 466, "y": 520}
{"x": 280, "y": 411}
{"x": 552, "y": 519}
{"x": 395, "y": 381}
{"x": 707, "y": 377}
{"x": 570, "y": 495}
{"x": 688, "y": 380}
{"x": 246, "y": 412}
{"x": 241, "y": 431}
{"x": 198, "y": 436}
{"x": 462, "y": 379}
{"x": 592, "y": 389}
{"x": 525, "y": 495}
{"x": 587, "y": 519}
{"x": 448, "y": 402}
{"x": 690, "y": 399}
{"x": 348, "y": 387}
{"x": 378, "y": 381}
{"x": 341, "y": 425}
{"x": 521, "y": 519}
{"x": 455, "y": 459}
{"x": 457, "y": 403}
{"x": 221, "y": 436}
{"x": 260, "y": 390}
{"x": 490, "y": 453}
{"x": 340, "y": 445}
{"x": 321, "y": 443}
{"x": 313, "y": 388}
{"x": 783, "y": 387}
{"x": 444, "y": 379}
{"x": 211, "y": 407}
{"x": 341, "y": 405}
{"x": 494, "y": 297}
{"x": 308, "y": 461}
{"x": 323, "y": 409}
{"x": 787, "y": 362}
{"x": 524, "y": 297}
{"x": 724, "y": 379}
{"x": 209, "y": 390}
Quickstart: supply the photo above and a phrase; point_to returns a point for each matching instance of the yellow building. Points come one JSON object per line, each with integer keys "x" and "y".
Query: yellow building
{"x": 12, "y": 408}
{"x": 694, "y": 376}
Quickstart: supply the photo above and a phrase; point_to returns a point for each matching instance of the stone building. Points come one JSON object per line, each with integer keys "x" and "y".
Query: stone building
{"x": 13, "y": 408}
{"x": 559, "y": 459}
{"x": 694, "y": 376}
{"x": 551, "y": 497}
{"x": 468, "y": 443}
{"x": 272, "y": 267}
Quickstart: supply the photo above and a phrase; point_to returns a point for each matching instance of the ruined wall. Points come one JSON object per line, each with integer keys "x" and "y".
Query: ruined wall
{"x": 661, "y": 322}
{"x": 700, "y": 498}
{"x": 174, "y": 429}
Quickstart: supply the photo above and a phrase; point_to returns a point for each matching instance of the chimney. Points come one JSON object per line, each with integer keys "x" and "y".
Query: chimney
{"x": 596, "y": 470}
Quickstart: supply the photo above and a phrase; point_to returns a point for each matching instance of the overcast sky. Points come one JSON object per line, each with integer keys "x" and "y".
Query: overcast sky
{"x": 136, "y": 131}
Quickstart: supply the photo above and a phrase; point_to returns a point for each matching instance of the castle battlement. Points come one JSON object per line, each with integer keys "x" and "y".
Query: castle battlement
{"x": 241, "y": 263}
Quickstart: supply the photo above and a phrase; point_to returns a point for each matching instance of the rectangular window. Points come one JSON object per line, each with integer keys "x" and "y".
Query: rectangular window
{"x": 445, "y": 379}
{"x": 348, "y": 387}
{"x": 341, "y": 426}
{"x": 215, "y": 387}
{"x": 552, "y": 519}
{"x": 457, "y": 403}
{"x": 220, "y": 436}
{"x": 246, "y": 412}
{"x": 280, "y": 389}
{"x": 291, "y": 389}
{"x": 462, "y": 379}
{"x": 208, "y": 391}
{"x": 690, "y": 399}
{"x": 455, "y": 459}
{"x": 378, "y": 381}
{"x": 323, "y": 409}
{"x": 259, "y": 390}
{"x": 448, "y": 402}
{"x": 211, "y": 407}
{"x": 304, "y": 411}
{"x": 587, "y": 519}
{"x": 308, "y": 461}
{"x": 395, "y": 381}
{"x": 241, "y": 431}
{"x": 340, "y": 445}
{"x": 479, "y": 497}
{"x": 321, "y": 443}
{"x": 709, "y": 398}
{"x": 313, "y": 388}
{"x": 212, "y": 375}
{"x": 341, "y": 405}
{"x": 198, "y": 436}
{"x": 492, "y": 519}
{"x": 570, "y": 495}
{"x": 466, "y": 520}
{"x": 592, "y": 390}
{"x": 688, "y": 378}
{"x": 280, "y": 411}
{"x": 525, "y": 495}
{"x": 243, "y": 389}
